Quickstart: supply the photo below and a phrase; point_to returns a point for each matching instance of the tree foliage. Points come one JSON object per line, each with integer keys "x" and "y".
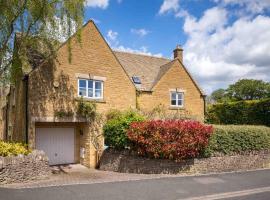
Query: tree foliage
{"x": 35, "y": 21}
{"x": 244, "y": 89}
{"x": 249, "y": 89}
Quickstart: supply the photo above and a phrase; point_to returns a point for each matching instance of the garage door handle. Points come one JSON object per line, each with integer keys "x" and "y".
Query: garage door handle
{"x": 55, "y": 154}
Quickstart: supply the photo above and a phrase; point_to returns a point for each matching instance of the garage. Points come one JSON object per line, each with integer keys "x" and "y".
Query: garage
{"x": 57, "y": 143}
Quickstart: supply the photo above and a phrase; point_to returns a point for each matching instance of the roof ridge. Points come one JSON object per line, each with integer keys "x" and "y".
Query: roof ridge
{"x": 141, "y": 54}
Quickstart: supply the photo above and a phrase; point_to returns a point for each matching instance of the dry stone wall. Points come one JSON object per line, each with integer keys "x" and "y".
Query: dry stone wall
{"x": 21, "y": 168}
{"x": 125, "y": 162}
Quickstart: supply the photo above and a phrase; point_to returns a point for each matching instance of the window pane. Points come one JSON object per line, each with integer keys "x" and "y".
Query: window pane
{"x": 97, "y": 93}
{"x": 180, "y": 102}
{"x": 180, "y": 95}
{"x": 90, "y": 92}
{"x": 90, "y": 84}
{"x": 98, "y": 85}
{"x": 173, "y": 96}
{"x": 82, "y": 83}
{"x": 82, "y": 91}
{"x": 173, "y": 102}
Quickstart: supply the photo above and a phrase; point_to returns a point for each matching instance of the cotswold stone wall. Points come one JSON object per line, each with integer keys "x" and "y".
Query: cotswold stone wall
{"x": 127, "y": 163}
{"x": 22, "y": 168}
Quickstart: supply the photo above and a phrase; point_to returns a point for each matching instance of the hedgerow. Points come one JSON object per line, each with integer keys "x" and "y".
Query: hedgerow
{"x": 237, "y": 139}
{"x": 255, "y": 112}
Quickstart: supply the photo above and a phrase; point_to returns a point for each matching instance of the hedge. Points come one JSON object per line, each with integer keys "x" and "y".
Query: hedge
{"x": 115, "y": 129}
{"x": 255, "y": 112}
{"x": 237, "y": 139}
{"x": 169, "y": 139}
{"x": 12, "y": 149}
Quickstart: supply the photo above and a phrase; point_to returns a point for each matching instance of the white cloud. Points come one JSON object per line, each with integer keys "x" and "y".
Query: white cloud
{"x": 218, "y": 53}
{"x": 97, "y": 3}
{"x": 141, "y": 32}
{"x": 142, "y": 50}
{"x": 112, "y": 39}
{"x": 253, "y": 6}
{"x": 169, "y": 5}
{"x": 112, "y": 35}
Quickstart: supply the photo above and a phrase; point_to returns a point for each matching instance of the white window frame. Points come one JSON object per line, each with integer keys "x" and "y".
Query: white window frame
{"x": 177, "y": 98}
{"x": 94, "y": 90}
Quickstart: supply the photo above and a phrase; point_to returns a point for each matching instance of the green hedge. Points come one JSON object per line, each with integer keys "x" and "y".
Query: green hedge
{"x": 255, "y": 112}
{"x": 115, "y": 130}
{"x": 231, "y": 139}
{"x": 12, "y": 149}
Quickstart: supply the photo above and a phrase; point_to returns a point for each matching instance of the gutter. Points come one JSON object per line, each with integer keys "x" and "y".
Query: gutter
{"x": 25, "y": 79}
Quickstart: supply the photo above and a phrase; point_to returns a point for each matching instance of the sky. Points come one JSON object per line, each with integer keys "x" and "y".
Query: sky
{"x": 223, "y": 40}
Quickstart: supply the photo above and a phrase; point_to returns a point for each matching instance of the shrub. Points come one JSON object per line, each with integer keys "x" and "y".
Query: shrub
{"x": 255, "y": 112}
{"x": 9, "y": 149}
{"x": 115, "y": 130}
{"x": 87, "y": 110}
{"x": 231, "y": 139}
{"x": 161, "y": 112}
{"x": 170, "y": 139}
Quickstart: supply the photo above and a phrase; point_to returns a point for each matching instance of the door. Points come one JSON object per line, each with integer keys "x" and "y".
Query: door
{"x": 57, "y": 143}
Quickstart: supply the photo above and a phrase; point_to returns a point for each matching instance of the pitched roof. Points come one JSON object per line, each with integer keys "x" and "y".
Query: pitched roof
{"x": 145, "y": 67}
{"x": 149, "y": 69}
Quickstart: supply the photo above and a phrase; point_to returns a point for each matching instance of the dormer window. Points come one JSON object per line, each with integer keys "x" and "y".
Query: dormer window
{"x": 92, "y": 89}
{"x": 136, "y": 80}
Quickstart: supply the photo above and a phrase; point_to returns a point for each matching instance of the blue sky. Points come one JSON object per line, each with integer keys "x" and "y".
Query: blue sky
{"x": 223, "y": 40}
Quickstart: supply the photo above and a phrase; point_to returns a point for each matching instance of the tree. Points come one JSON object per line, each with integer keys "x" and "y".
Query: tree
{"x": 34, "y": 20}
{"x": 244, "y": 89}
{"x": 249, "y": 89}
{"x": 218, "y": 95}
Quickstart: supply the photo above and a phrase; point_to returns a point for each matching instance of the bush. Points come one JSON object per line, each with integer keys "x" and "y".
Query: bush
{"x": 235, "y": 139}
{"x": 9, "y": 149}
{"x": 255, "y": 112}
{"x": 170, "y": 139}
{"x": 115, "y": 130}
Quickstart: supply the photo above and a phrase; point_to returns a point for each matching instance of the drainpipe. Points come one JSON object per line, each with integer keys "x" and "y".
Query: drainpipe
{"x": 7, "y": 118}
{"x": 204, "y": 104}
{"x": 25, "y": 79}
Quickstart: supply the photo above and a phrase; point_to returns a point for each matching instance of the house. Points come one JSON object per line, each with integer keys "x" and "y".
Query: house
{"x": 96, "y": 73}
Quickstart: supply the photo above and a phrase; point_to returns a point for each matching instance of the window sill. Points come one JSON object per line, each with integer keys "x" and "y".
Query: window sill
{"x": 91, "y": 100}
{"x": 176, "y": 108}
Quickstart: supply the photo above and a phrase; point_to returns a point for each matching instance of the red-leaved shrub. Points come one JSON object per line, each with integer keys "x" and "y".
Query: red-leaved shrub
{"x": 171, "y": 139}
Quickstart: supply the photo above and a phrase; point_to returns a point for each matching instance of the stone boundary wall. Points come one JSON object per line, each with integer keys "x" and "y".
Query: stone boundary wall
{"x": 125, "y": 162}
{"x": 21, "y": 168}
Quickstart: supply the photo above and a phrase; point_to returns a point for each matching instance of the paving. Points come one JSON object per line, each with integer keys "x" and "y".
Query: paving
{"x": 78, "y": 174}
{"x": 227, "y": 186}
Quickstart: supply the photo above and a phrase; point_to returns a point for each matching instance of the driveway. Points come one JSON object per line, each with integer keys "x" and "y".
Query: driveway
{"x": 234, "y": 186}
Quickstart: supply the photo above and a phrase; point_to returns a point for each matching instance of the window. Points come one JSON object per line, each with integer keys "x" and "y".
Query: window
{"x": 92, "y": 89}
{"x": 136, "y": 80}
{"x": 177, "y": 99}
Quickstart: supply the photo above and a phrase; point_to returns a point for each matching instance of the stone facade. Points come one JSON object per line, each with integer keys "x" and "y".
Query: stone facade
{"x": 15, "y": 169}
{"x": 176, "y": 78}
{"x": 127, "y": 163}
{"x": 53, "y": 87}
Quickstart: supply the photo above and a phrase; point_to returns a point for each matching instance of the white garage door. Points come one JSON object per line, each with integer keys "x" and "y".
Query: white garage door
{"x": 57, "y": 143}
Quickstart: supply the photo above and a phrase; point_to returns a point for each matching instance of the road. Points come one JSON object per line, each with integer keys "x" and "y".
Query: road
{"x": 253, "y": 185}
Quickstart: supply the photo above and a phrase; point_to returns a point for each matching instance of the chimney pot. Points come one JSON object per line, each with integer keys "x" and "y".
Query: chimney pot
{"x": 178, "y": 53}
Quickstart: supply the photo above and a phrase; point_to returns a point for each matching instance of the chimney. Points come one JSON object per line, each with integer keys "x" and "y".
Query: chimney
{"x": 178, "y": 53}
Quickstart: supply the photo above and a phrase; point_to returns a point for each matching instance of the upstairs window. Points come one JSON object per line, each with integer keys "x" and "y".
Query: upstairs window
{"x": 92, "y": 89}
{"x": 177, "y": 99}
